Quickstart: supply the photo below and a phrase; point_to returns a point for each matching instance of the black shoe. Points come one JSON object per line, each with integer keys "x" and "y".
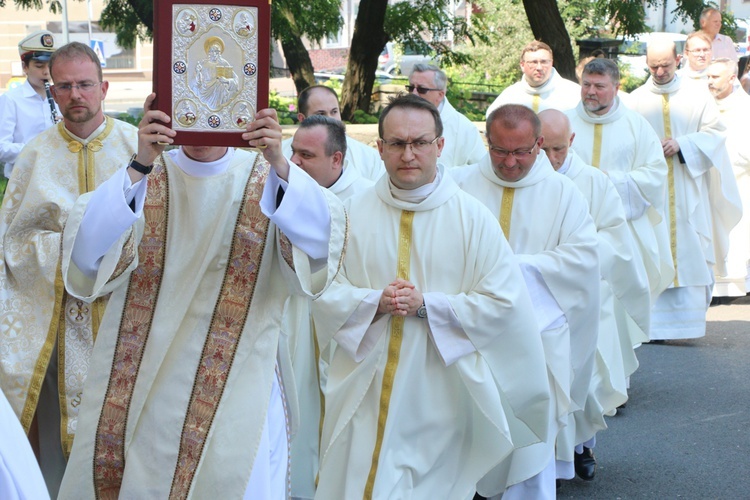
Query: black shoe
{"x": 585, "y": 464}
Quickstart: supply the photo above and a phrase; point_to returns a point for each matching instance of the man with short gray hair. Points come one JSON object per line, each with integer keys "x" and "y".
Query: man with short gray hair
{"x": 722, "y": 45}
{"x": 463, "y": 142}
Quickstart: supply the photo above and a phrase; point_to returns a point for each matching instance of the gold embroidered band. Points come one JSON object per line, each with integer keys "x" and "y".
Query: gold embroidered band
{"x": 670, "y": 184}
{"x": 394, "y": 349}
{"x": 506, "y": 210}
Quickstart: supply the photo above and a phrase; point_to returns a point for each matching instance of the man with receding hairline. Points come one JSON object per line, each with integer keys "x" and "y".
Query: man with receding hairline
{"x": 322, "y": 100}
{"x": 463, "y": 143}
{"x": 546, "y": 221}
{"x": 722, "y": 45}
{"x": 45, "y": 354}
{"x": 702, "y": 203}
{"x": 432, "y": 324}
{"x": 541, "y": 86}
{"x": 732, "y": 275}
{"x": 698, "y": 55}
{"x": 624, "y": 294}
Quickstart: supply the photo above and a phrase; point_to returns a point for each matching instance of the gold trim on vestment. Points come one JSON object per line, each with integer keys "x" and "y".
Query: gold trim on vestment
{"x": 140, "y": 303}
{"x": 394, "y": 349}
{"x": 596, "y": 155}
{"x": 536, "y": 100}
{"x": 506, "y": 210}
{"x": 670, "y": 184}
{"x": 42, "y": 362}
{"x": 86, "y": 163}
{"x": 225, "y": 330}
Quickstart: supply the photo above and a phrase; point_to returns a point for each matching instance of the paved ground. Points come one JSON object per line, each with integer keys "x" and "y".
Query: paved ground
{"x": 685, "y": 432}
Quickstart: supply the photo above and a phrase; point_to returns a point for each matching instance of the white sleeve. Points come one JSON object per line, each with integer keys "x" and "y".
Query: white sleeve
{"x": 8, "y": 117}
{"x": 548, "y": 312}
{"x": 108, "y": 215}
{"x": 302, "y": 215}
{"x": 633, "y": 202}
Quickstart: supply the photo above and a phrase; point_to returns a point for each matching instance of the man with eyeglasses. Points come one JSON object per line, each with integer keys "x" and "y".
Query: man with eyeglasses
{"x": 322, "y": 100}
{"x": 732, "y": 277}
{"x": 541, "y": 86}
{"x": 319, "y": 147}
{"x": 698, "y": 55}
{"x": 612, "y": 137}
{"x": 433, "y": 325}
{"x": 51, "y": 335}
{"x": 463, "y": 142}
{"x": 625, "y": 299}
{"x": 25, "y": 110}
{"x": 702, "y": 203}
{"x": 547, "y": 223}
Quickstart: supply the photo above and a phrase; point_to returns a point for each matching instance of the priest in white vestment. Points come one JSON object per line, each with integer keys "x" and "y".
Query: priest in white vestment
{"x": 20, "y": 477}
{"x": 199, "y": 256}
{"x": 703, "y": 203}
{"x": 322, "y": 100}
{"x": 319, "y": 148}
{"x": 698, "y": 57}
{"x": 547, "y": 223}
{"x": 45, "y": 349}
{"x": 624, "y": 146}
{"x": 625, "y": 308}
{"x": 541, "y": 86}
{"x": 733, "y": 274}
{"x": 438, "y": 370}
{"x": 463, "y": 142}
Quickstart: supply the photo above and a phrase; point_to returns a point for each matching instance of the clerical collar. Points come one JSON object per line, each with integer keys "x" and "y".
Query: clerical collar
{"x": 417, "y": 195}
{"x": 93, "y": 135}
{"x": 666, "y": 88}
{"x": 547, "y": 86}
{"x": 566, "y": 164}
{"x": 202, "y": 169}
{"x": 610, "y": 112}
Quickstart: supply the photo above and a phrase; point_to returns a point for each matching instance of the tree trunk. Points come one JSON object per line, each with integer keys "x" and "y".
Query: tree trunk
{"x": 367, "y": 44}
{"x": 298, "y": 60}
{"x": 548, "y": 26}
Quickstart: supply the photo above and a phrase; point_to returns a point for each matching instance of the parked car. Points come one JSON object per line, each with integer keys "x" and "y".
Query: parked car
{"x": 402, "y": 63}
{"x": 633, "y": 49}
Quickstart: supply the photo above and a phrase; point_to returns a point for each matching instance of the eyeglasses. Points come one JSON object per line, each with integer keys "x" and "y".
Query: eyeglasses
{"x": 698, "y": 51}
{"x": 541, "y": 62}
{"x": 416, "y": 146}
{"x": 421, "y": 90}
{"x": 518, "y": 154}
{"x": 66, "y": 88}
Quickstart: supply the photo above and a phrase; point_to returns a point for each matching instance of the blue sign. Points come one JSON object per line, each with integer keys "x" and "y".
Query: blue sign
{"x": 98, "y": 47}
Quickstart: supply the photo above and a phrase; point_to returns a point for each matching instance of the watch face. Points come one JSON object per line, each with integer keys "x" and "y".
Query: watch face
{"x": 422, "y": 312}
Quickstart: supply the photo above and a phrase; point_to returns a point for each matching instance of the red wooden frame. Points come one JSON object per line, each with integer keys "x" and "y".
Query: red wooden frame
{"x": 174, "y": 67}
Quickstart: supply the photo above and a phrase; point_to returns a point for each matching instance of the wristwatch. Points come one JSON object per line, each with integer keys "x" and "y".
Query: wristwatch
{"x": 422, "y": 311}
{"x": 139, "y": 167}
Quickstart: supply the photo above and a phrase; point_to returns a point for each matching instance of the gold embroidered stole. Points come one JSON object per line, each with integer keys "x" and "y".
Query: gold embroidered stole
{"x": 65, "y": 306}
{"x": 394, "y": 349}
{"x": 670, "y": 184}
{"x": 535, "y": 102}
{"x": 506, "y": 210}
{"x": 222, "y": 339}
{"x": 596, "y": 154}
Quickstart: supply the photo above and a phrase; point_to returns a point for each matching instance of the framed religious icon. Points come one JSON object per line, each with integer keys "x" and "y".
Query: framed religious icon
{"x": 211, "y": 67}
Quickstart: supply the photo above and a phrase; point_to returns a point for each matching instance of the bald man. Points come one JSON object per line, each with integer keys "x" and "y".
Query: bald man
{"x": 732, "y": 276}
{"x": 703, "y": 202}
{"x": 624, "y": 295}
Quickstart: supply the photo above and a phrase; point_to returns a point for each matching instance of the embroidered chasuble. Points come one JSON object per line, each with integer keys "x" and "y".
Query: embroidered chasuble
{"x": 553, "y": 236}
{"x": 40, "y": 317}
{"x": 556, "y": 93}
{"x": 188, "y": 348}
{"x": 399, "y": 384}
{"x": 623, "y": 145}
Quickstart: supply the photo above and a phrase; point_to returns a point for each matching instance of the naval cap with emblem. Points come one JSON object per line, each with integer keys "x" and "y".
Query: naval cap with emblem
{"x": 38, "y": 46}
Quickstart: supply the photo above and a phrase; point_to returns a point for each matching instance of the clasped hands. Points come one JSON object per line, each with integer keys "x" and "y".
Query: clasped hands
{"x": 400, "y": 298}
